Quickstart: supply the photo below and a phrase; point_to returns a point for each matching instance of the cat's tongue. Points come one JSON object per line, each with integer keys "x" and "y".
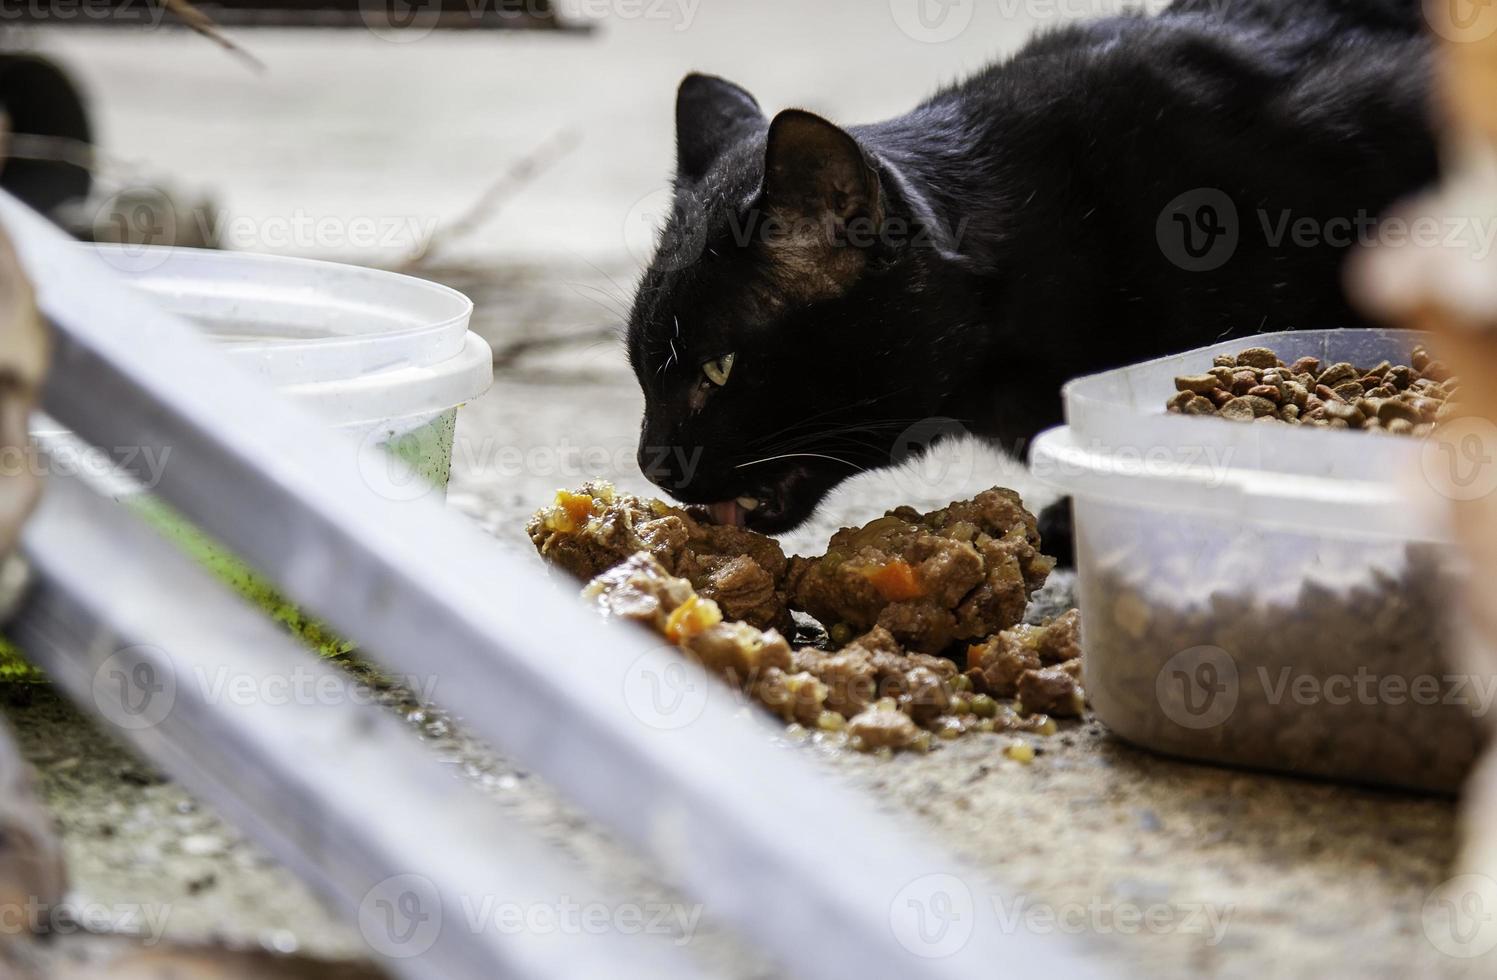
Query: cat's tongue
{"x": 729, "y": 512}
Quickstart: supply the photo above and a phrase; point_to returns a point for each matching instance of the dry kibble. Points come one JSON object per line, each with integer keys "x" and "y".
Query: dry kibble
{"x": 1337, "y": 373}
{"x": 1255, "y": 386}
{"x": 1437, "y": 371}
{"x": 1390, "y": 411}
{"x": 1258, "y": 357}
{"x": 1376, "y": 617}
{"x": 1260, "y": 406}
{"x": 1201, "y": 384}
{"x": 1238, "y": 410}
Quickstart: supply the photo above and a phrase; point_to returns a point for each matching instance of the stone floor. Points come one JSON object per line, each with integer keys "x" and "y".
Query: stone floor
{"x": 1247, "y": 875}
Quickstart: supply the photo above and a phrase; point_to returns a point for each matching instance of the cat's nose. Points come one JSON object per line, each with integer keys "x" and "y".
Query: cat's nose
{"x": 671, "y": 468}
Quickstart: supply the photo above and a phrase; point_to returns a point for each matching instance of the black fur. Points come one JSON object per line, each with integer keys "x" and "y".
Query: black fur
{"x": 1005, "y": 236}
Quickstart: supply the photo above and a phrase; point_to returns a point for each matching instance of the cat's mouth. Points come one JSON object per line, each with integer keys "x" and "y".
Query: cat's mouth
{"x": 764, "y": 512}
{"x": 775, "y": 508}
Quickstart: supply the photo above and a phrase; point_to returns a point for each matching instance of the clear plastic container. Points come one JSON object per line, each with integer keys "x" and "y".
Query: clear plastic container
{"x": 384, "y": 357}
{"x": 368, "y": 350}
{"x": 1265, "y": 595}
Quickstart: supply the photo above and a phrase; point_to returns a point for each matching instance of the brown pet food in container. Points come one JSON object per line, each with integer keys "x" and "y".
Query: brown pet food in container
{"x": 1272, "y": 596}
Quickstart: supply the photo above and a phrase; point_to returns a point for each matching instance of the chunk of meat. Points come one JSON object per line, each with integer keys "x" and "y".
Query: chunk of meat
{"x": 739, "y": 652}
{"x": 884, "y": 726}
{"x": 963, "y": 572}
{"x": 642, "y": 591}
{"x": 995, "y": 667}
{"x": 588, "y": 531}
{"x": 1052, "y": 691}
{"x": 799, "y": 698}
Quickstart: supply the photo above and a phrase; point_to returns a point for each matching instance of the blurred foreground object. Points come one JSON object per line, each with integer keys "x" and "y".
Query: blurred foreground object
{"x": 81, "y": 956}
{"x": 32, "y": 879}
{"x": 48, "y": 160}
{"x": 1447, "y": 284}
{"x": 24, "y": 351}
{"x": 46, "y": 153}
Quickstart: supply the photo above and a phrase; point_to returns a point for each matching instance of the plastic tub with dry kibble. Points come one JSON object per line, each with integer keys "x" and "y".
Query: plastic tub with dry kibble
{"x": 1270, "y": 595}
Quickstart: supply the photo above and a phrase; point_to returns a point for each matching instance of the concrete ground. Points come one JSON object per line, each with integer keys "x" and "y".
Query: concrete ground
{"x": 1247, "y": 875}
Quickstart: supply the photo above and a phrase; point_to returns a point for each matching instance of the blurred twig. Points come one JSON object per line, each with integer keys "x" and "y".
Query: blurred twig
{"x": 204, "y": 25}
{"x": 499, "y": 193}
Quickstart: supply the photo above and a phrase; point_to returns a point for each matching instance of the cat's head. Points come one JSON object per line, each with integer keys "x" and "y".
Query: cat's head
{"x": 787, "y": 333}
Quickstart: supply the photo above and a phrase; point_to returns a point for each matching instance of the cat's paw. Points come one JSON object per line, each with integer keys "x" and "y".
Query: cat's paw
{"x": 1056, "y": 536}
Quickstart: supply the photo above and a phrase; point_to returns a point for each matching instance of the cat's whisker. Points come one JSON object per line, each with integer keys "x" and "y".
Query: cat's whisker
{"x": 607, "y": 303}
{"x": 623, "y": 293}
{"x": 834, "y": 410}
{"x": 828, "y": 440}
{"x": 787, "y": 437}
{"x": 772, "y": 459}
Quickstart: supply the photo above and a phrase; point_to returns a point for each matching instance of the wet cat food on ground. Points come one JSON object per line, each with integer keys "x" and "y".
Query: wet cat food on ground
{"x": 1040, "y": 665}
{"x": 595, "y": 528}
{"x": 872, "y": 691}
{"x": 965, "y": 571}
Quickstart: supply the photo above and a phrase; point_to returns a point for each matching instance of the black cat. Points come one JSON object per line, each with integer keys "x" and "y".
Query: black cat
{"x": 823, "y": 298}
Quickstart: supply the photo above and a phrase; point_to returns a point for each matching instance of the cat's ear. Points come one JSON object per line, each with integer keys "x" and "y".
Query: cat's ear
{"x": 711, "y": 115}
{"x": 825, "y": 205}
{"x": 815, "y": 170}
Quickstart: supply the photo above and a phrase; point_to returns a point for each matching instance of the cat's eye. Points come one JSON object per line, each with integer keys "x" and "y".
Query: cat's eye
{"x": 717, "y": 371}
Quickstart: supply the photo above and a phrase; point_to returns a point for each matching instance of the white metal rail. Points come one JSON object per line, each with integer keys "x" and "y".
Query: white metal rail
{"x": 803, "y": 867}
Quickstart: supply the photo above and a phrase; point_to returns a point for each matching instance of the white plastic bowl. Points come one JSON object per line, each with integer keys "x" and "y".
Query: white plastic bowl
{"x": 368, "y": 350}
